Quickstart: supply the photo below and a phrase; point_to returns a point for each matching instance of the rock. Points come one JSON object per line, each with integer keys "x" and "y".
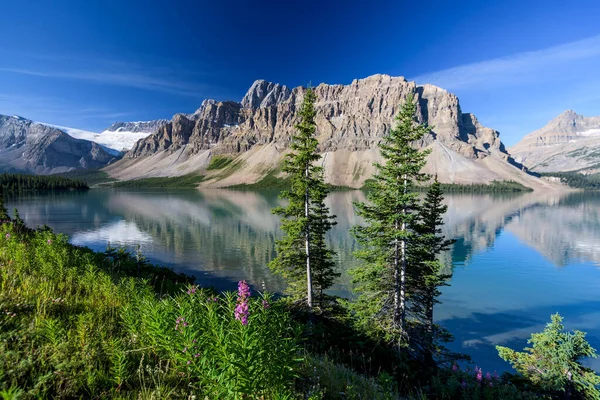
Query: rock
{"x": 350, "y": 119}
{"x": 31, "y": 147}
{"x": 568, "y": 142}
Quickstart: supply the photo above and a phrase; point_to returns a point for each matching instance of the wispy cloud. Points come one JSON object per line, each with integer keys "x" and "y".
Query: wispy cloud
{"x": 113, "y": 72}
{"x": 527, "y": 67}
{"x": 44, "y": 108}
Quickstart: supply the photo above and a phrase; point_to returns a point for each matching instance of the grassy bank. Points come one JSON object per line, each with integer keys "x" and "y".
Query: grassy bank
{"x": 81, "y": 324}
{"x": 90, "y": 177}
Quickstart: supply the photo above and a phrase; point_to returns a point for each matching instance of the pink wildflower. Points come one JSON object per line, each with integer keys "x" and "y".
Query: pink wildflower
{"x": 488, "y": 377}
{"x": 49, "y": 241}
{"x": 454, "y": 367}
{"x": 241, "y": 310}
{"x": 191, "y": 290}
{"x": 479, "y": 375}
{"x": 265, "y": 304}
{"x": 7, "y": 236}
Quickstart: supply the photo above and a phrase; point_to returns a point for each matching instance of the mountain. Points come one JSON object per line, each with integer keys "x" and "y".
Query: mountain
{"x": 254, "y": 135}
{"x": 570, "y": 142}
{"x": 120, "y": 136}
{"x": 27, "y": 146}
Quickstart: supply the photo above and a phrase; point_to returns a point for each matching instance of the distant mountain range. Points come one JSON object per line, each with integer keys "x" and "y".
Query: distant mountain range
{"x": 40, "y": 148}
{"x": 569, "y": 142}
{"x": 254, "y": 134}
{"x": 252, "y": 137}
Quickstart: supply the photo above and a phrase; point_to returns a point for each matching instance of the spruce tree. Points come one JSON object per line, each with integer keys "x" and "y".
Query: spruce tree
{"x": 303, "y": 258}
{"x": 428, "y": 278}
{"x": 3, "y": 211}
{"x": 389, "y": 214}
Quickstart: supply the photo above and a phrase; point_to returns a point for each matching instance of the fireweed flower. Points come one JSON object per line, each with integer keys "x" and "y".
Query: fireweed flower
{"x": 180, "y": 324}
{"x": 191, "y": 290}
{"x": 241, "y": 309}
{"x": 479, "y": 375}
{"x": 454, "y": 367}
{"x": 463, "y": 384}
{"x": 265, "y": 304}
{"x": 49, "y": 241}
{"x": 7, "y": 236}
{"x": 488, "y": 377}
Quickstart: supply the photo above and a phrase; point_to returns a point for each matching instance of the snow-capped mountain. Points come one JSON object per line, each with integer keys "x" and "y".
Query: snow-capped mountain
{"x": 117, "y": 138}
{"x": 27, "y": 146}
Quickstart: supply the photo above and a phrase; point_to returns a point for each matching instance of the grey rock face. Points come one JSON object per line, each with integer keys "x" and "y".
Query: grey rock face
{"x": 568, "y": 142}
{"x": 349, "y": 117}
{"x": 31, "y": 147}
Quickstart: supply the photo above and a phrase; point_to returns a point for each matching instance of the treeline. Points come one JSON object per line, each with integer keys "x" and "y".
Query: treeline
{"x": 10, "y": 183}
{"x": 576, "y": 179}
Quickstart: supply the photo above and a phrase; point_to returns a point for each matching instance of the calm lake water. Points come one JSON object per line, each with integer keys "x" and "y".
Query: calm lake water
{"x": 517, "y": 259}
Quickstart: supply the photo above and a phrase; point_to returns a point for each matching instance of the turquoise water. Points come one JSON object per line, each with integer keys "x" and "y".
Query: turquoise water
{"x": 517, "y": 259}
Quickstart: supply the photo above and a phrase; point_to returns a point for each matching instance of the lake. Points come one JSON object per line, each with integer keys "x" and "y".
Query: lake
{"x": 517, "y": 258}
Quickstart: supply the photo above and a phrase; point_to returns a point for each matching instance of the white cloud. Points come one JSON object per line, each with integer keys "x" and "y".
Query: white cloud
{"x": 148, "y": 76}
{"x": 527, "y": 67}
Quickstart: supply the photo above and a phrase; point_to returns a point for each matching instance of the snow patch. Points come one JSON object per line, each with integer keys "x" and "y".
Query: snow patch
{"x": 117, "y": 141}
{"x": 590, "y": 132}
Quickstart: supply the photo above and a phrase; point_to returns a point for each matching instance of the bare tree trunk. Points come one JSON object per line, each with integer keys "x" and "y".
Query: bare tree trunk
{"x": 403, "y": 267}
{"x": 397, "y": 313}
{"x": 307, "y": 242}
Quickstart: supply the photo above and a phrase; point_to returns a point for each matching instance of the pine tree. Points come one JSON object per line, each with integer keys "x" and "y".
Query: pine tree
{"x": 303, "y": 259}
{"x": 3, "y": 211}
{"x": 553, "y": 363}
{"x": 428, "y": 278}
{"x": 389, "y": 216}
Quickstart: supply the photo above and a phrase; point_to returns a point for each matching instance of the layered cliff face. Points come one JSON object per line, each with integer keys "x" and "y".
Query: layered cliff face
{"x": 26, "y": 146}
{"x": 570, "y": 142}
{"x": 351, "y": 120}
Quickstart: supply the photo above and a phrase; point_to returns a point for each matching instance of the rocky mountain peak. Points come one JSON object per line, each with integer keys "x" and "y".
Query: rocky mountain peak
{"x": 264, "y": 94}
{"x": 137, "y": 127}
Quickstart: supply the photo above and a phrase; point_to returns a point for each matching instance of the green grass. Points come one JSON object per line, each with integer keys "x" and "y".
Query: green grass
{"x": 75, "y": 323}
{"x": 219, "y": 162}
{"x": 91, "y": 177}
{"x": 184, "y": 181}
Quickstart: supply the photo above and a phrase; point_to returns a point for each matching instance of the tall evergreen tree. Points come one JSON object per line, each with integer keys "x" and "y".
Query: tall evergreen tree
{"x": 389, "y": 216}
{"x": 303, "y": 259}
{"x": 429, "y": 277}
{"x": 3, "y": 211}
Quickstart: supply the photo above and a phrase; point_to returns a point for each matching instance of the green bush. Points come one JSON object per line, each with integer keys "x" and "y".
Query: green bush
{"x": 229, "y": 346}
{"x": 553, "y": 363}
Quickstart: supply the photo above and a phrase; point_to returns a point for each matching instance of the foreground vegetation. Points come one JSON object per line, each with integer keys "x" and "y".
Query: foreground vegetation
{"x": 16, "y": 183}
{"x": 81, "y": 324}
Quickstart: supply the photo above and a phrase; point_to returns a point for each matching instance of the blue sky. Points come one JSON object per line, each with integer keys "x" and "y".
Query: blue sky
{"x": 515, "y": 64}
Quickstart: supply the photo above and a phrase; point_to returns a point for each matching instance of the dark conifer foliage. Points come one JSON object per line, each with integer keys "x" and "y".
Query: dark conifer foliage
{"x": 388, "y": 235}
{"x": 303, "y": 258}
{"x": 15, "y": 183}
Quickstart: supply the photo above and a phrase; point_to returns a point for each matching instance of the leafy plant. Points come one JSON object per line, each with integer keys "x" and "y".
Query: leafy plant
{"x": 554, "y": 361}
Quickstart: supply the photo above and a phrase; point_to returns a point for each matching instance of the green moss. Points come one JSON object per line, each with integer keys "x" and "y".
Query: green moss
{"x": 91, "y": 177}
{"x": 184, "y": 181}
{"x": 219, "y": 162}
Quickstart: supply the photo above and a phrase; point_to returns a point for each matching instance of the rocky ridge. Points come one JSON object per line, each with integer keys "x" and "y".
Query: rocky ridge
{"x": 351, "y": 120}
{"x": 569, "y": 142}
{"x": 26, "y": 146}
